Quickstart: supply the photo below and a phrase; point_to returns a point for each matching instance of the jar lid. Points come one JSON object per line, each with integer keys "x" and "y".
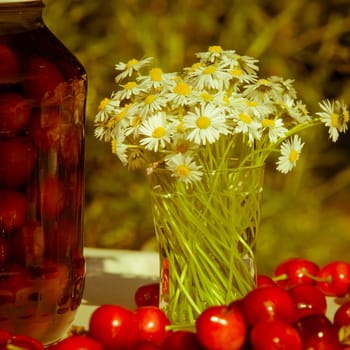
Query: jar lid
{"x": 14, "y": 1}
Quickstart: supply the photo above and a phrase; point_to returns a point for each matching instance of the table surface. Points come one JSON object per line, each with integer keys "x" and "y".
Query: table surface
{"x": 112, "y": 277}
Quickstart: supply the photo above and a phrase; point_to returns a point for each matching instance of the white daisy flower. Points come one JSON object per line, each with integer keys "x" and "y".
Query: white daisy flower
{"x": 290, "y": 153}
{"x": 135, "y": 122}
{"x": 130, "y": 89}
{"x": 106, "y": 109}
{"x": 127, "y": 69}
{"x": 218, "y": 99}
{"x": 181, "y": 94}
{"x": 275, "y": 129}
{"x": 156, "y": 132}
{"x": 335, "y": 116}
{"x": 248, "y": 125}
{"x": 214, "y": 52}
{"x": 208, "y": 77}
{"x": 184, "y": 168}
{"x": 119, "y": 147}
{"x": 156, "y": 79}
{"x": 239, "y": 76}
{"x": 205, "y": 124}
{"x": 286, "y": 85}
{"x": 257, "y": 109}
{"x": 298, "y": 111}
{"x": 238, "y": 64}
{"x": 111, "y": 118}
{"x": 264, "y": 90}
{"x": 151, "y": 104}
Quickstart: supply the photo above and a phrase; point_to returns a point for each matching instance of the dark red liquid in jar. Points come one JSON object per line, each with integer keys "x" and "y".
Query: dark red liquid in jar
{"x": 42, "y": 108}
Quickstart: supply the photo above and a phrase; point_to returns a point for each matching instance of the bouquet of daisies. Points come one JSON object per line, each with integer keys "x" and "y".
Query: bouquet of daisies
{"x": 198, "y": 119}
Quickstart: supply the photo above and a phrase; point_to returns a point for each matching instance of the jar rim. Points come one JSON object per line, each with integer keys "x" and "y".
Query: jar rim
{"x": 19, "y": 1}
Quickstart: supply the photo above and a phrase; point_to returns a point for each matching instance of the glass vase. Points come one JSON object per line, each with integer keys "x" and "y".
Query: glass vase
{"x": 206, "y": 233}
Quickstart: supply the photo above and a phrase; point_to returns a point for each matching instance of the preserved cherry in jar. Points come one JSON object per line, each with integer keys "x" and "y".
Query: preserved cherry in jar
{"x": 42, "y": 115}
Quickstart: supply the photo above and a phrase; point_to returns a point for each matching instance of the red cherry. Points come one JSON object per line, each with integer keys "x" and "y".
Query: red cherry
{"x": 184, "y": 340}
{"x": 14, "y": 113}
{"x": 334, "y": 278}
{"x": 147, "y": 346}
{"x": 41, "y": 78}
{"x": 264, "y": 280}
{"x": 152, "y": 323}
{"x": 342, "y": 315}
{"x": 317, "y": 333}
{"x": 269, "y": 302}
{"x": 4, "y": 336}
{"x": 79, "y": 342}
{"x": 114, "y": 327}
{"x": 308, "y": 300}
{"x": 295, "y": 271}
{"x": 13, "y": 210}
{"x": 52, "y": 196}
{"x": 147, "y": 295}
{"x": 9, "y": 65}
{"x": 221, "y": 328}
{"x": 275, "y": 335}
{"x": 26, "y": 342}
{"x": 17, "y": 160}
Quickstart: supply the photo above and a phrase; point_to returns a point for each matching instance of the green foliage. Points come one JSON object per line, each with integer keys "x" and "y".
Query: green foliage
{"x": 304, "y": 213}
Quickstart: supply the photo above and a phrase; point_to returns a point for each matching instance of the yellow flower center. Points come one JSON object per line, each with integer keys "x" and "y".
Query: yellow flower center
{"x": 131, "y": 63}
{"x": 335, "y": 119}
{"x": 203, "y": 122}
{"x": 226, "y": 100}
{"x": 209, "y": 70}
{"x": 156, "y": 74}
{"x": 114, "y": 146}
{"x": 293, "y": 156}
{"x": 180, "y": 127}
{"x": 207, "y": 97}
{"x": 158, "y": 132}
{"x": 251, "y": 103}
{"x": 195, "y": 66}
{"x": 122, "y": 113}
{"x": 346, "y": 116}
{"x": 182, "y": 170}
{"x": 264, "y": 82}
{"x": 149, "y": 99}
{"x": 215, "y": 48}
{"x": 130, "y": 85}
{"x": 245, "y": 118}
{"x": 268, "y": 123}
{"x": 182, "y": 88}
{"x": 103, "y": 103}
{"x": 236, "y": 72}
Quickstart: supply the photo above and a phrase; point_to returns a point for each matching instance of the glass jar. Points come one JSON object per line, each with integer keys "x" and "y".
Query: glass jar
{"x": 42, "y": 112}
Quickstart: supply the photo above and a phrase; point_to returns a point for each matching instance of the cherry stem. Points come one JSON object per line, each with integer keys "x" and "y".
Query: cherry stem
{"x": 304, "y": 271}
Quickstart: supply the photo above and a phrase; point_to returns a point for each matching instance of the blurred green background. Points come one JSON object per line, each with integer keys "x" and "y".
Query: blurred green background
{"x": 305, "y": 213}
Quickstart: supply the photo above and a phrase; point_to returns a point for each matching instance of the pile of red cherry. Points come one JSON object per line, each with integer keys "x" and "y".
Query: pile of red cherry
{"x": 286, "y": 311}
